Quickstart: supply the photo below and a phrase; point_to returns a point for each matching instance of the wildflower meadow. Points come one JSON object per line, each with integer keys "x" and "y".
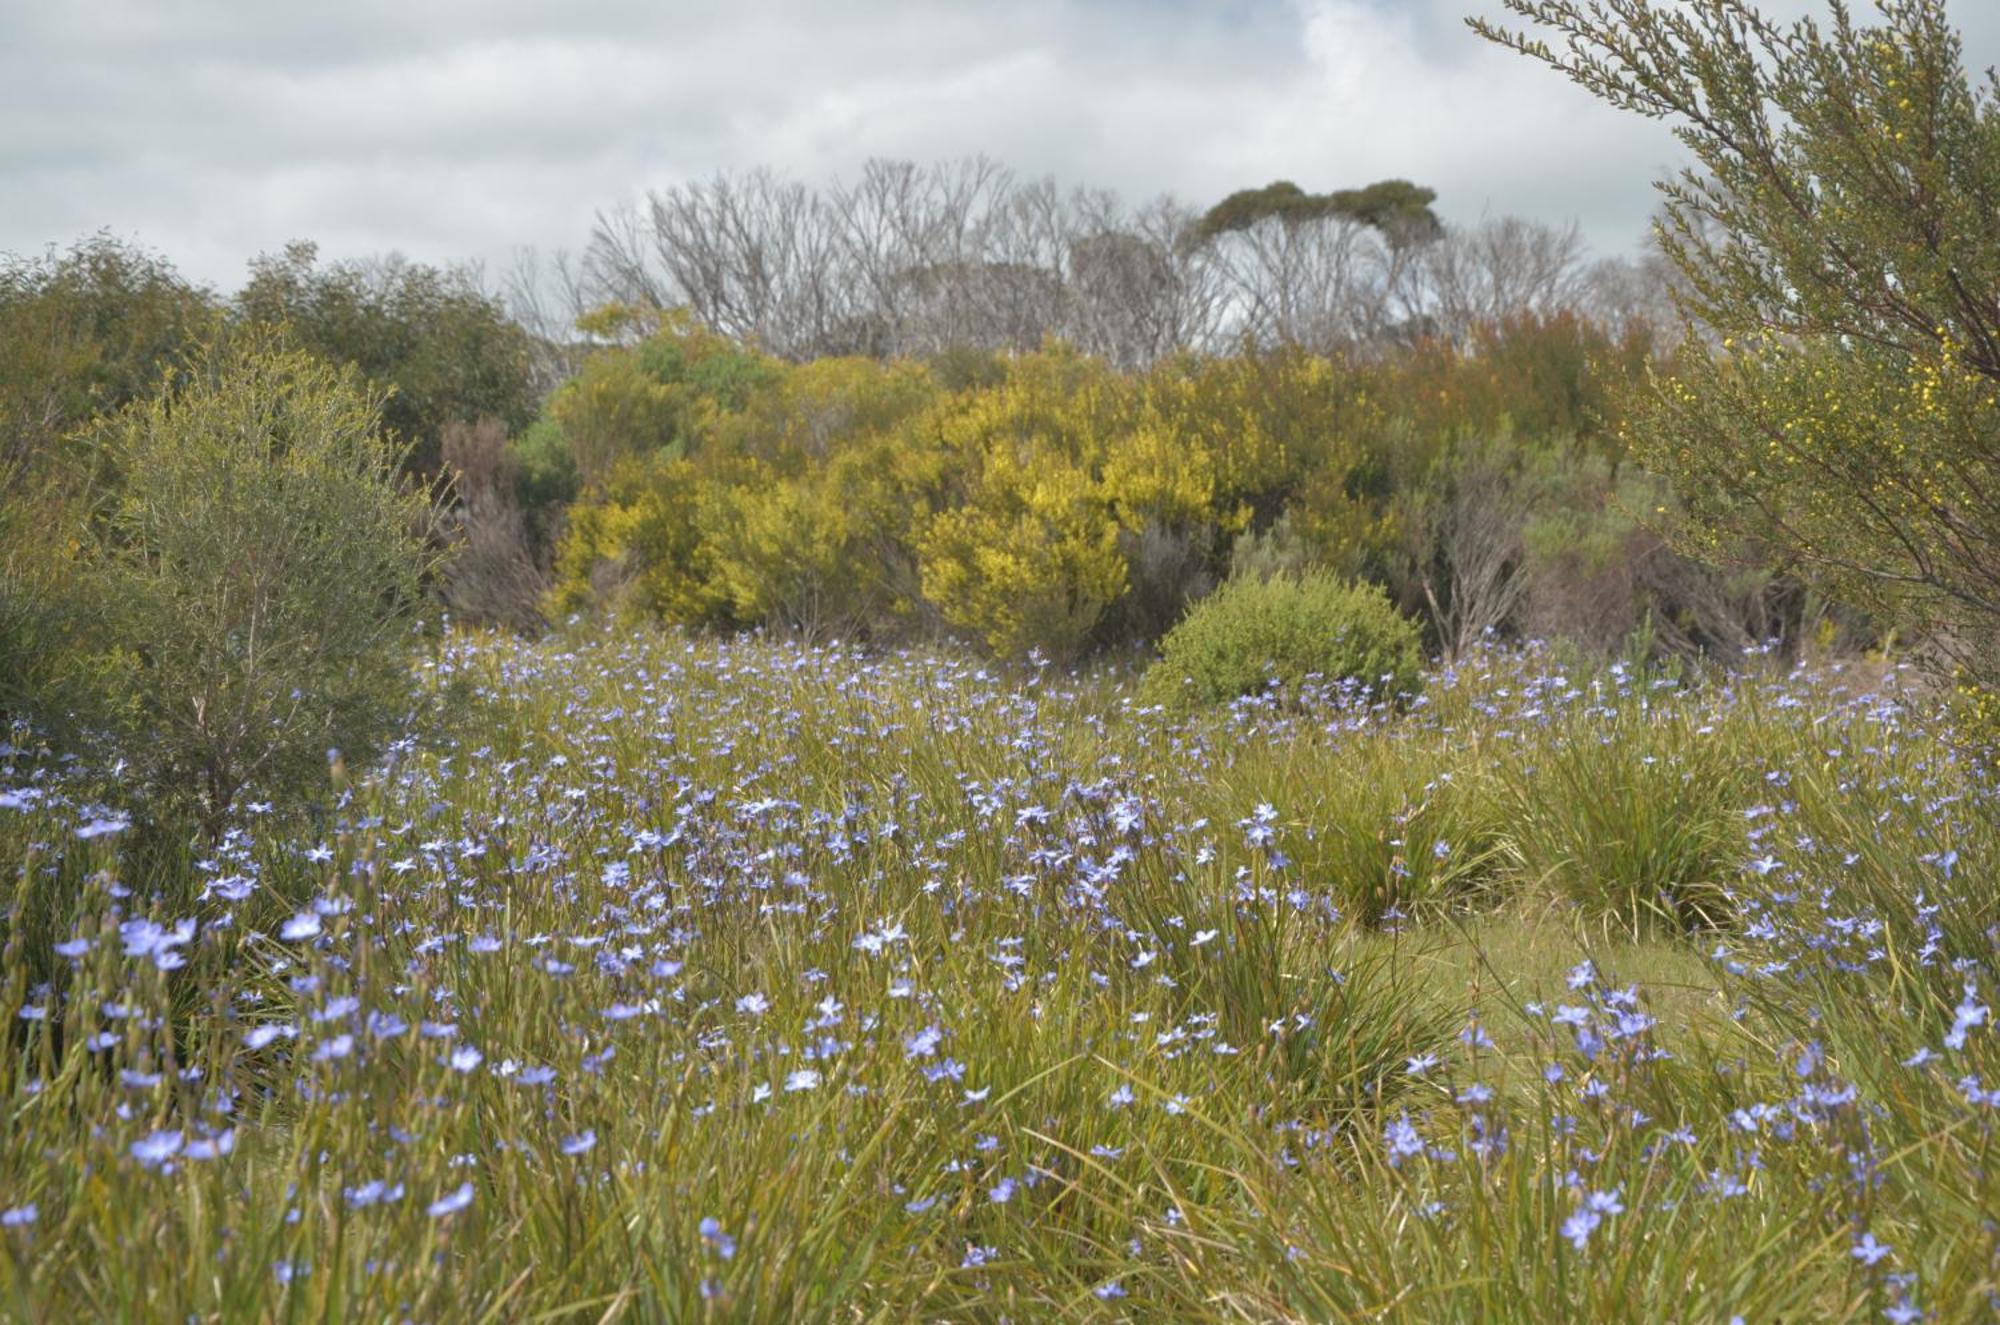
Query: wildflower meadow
{"x": 902, "y": 742}
{"x": 649, "y": 977}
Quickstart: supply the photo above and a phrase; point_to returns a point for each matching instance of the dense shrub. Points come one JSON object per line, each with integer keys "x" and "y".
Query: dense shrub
{"x": 1250, "y": 633}
{"x": 258, "y": 564}
{"x": 663, "y": 396}
{"x": 1841, "y": 415}
{"x": 1061, "y": 506}
{"x": 85, "y": 332}
{"x": 545, "y": 479}
{"x": 1050, "y": 502}
{"x": 33, "y": 604}
{"x": 1032, "y": 563}
{"x": 442, "y": 345}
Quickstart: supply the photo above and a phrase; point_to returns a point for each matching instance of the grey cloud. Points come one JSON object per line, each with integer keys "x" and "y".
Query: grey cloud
{"x": 215, "y": 130}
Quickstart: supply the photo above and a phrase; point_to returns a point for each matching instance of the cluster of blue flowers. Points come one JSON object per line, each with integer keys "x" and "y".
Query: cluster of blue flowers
{"x": 658, "y": 887}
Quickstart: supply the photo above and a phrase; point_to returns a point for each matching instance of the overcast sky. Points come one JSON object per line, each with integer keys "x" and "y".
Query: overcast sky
{"x": 213, "y": 130}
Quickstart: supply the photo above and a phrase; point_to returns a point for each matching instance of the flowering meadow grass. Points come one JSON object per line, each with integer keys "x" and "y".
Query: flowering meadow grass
{"x": 658, "y": 979}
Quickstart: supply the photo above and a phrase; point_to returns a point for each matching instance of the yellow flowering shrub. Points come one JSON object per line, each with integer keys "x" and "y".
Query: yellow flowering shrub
{"x": 1031, "y": 560}
{"x": 1045, "y": 502}
{"x": 636, "y": 546}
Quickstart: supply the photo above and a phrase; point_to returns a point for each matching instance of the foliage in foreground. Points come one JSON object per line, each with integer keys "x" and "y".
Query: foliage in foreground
{"x": 1838, "y": 232}
{"x": 242, "y": 599}
{"x": 677, "y": 980}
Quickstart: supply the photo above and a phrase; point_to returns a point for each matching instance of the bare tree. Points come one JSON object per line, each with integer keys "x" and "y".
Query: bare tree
{"x": 1136, "y": 293}
{"x": 1466, "y": 532}
{"x": 617, "y": 263}
{"x": 1646, "y": 291}
{"x": 494, "y": 578}
{"x": 1322, "y": 283}
{"x": 547, "y": 298}
{"x": 1500, "y": 268}
{"x": 912, "y": 260}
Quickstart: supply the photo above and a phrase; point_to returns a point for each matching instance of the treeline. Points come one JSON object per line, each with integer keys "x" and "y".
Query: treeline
{"x": 945, "y": 402}
{"x": 85, "y": 331}
{"x": 909, "y": 260}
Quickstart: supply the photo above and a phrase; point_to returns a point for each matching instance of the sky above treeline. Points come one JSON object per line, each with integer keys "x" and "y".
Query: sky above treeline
{"x": 215, "y": 130}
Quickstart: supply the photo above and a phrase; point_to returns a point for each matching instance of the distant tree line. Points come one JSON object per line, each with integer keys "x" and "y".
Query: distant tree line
{"x": 914, "y": 260}
{"x": 675, "y": 424}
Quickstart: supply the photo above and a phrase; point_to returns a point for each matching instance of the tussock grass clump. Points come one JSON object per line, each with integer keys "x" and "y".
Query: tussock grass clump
{"x": 1393, "y": 821}
{"x": 1635, "y": 817}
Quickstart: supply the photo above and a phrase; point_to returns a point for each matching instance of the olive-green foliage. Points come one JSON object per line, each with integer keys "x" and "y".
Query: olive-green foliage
{"x": 1546, "y": 375}
{"x": 1839, "y": 233}
{"x": 446, "y": 349}
{"x": 255, "y": 564}
{"x": 546, "y": 480}
{"x": 85, "y": 332}
{"x": 35, "y": 519}
{"x": 1394, "y": 205}
{"x": 659, "y": 397}
{"x": 1251, "y": 633}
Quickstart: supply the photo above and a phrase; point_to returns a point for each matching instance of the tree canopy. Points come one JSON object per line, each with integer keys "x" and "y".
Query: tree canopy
{"x": 1395, "y": 206}
{"x": 447, "y": 349}
{"x": 84, "y": 332}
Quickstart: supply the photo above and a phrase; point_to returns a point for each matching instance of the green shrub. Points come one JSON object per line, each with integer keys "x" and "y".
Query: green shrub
{"x": 259, "y": 569}
{"x": 546, "y": 478}
{"x": 33, "y": 604}
{"x": 1288, "y": 628}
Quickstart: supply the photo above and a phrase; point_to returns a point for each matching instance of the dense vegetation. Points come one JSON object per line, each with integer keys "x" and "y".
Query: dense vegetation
{"x": 955, "y": 820}
{"x": 1839, "y": 230}
{"x": 1255, "y": 635}
{"x": 1053, "y": 503}
{"x": 656, "y": 978}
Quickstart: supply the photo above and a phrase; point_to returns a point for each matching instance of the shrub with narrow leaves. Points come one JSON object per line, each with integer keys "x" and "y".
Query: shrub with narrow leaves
{"x": 1252, "y": 633}
{"x": 257, "y": 565}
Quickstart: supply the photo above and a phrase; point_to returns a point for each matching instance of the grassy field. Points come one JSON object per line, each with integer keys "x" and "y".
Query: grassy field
{"x": 660, "y": 979}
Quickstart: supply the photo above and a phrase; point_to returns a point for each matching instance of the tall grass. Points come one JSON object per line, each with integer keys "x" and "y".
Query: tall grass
{"x": 1634, "y": 815}
{"x": 659, "y": 979}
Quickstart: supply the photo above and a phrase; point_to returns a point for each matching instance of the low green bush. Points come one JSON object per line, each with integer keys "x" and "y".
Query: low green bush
{"x": 259, "y": 564}
{"x": 1286, "y": 628}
